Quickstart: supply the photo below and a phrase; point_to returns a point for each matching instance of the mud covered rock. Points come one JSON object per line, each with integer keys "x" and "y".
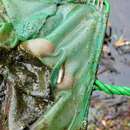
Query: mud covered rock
{"x": 24, "y": 88}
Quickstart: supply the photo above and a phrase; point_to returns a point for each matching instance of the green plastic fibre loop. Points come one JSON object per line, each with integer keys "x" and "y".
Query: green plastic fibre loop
{"x": 112, "y": 89}
{"x": 107, "y": 6}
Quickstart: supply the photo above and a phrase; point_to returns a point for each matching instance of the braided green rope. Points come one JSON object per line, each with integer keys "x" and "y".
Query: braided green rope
{"x": 112, "y": 89}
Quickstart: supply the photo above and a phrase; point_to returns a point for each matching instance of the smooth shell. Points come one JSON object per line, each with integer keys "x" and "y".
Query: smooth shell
{"x": 67, "y": 83}
{"x": 38, "y": 47}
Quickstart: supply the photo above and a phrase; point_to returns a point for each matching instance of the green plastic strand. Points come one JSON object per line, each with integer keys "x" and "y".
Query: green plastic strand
{"x": 112, "y": 89}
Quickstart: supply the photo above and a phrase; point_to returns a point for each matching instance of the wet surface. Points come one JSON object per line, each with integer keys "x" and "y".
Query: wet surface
{"x": 23, "y": 80}
{"x": 113, "y": 112}
{"x": 120, "y": 23}
{"x": 120, "y": 17}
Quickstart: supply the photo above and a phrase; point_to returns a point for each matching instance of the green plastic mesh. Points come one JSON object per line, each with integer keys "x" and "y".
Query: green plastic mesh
{"x": 76, "y": 30}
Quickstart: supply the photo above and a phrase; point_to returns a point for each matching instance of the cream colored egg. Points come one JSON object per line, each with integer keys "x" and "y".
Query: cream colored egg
{"x": 67, "y": 83}
{"x": 38, "y": 47}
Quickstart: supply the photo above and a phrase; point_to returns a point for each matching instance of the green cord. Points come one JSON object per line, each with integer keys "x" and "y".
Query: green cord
{"x": 107, "y": 6}
{"x": 112, "y": 89}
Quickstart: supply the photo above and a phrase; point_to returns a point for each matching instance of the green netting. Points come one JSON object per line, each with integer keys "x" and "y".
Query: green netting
{"x": 75, "y": 30}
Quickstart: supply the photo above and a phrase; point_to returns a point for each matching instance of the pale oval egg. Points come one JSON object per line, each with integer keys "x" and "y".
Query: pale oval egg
{"x": 67, "y": 83}
{"x": 38, "y": 47}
